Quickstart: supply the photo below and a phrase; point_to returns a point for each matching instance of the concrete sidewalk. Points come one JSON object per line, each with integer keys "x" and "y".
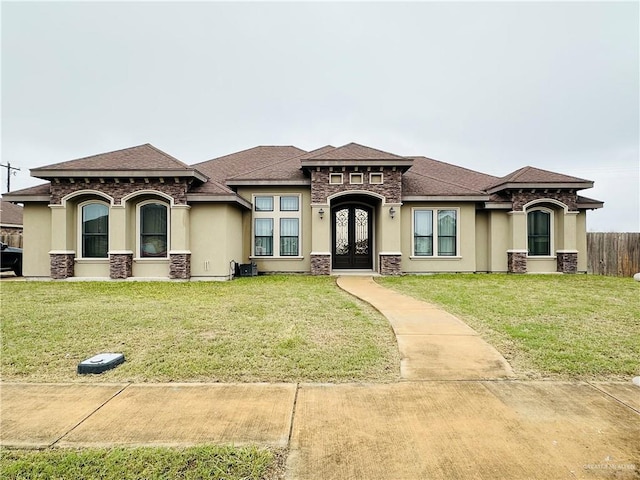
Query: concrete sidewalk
{"x": 433, "y": 344}
{"x": 406, "y": 430}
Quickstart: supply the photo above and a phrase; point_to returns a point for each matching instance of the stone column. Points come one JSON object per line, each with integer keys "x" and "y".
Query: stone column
{"x": 567, "y": 261}
{"x": 120, "y": 264}
{"x": 390, "y": 263}
{"x": 62, "y": 264}
{"x": 320, "y": 263}
{"x": 517, "y": 254}
{"x": 320, "y": 239}
{"x": 179, "y": 265}
{"x": 517, "y": 261}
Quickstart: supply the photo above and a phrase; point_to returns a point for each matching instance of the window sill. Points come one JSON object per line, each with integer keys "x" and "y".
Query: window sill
{"x": 541, "y": 257}
{"x": 92, "y": 260}
{"x": 264, "y": 257}
{"x": 151, "y": 260}
{"x": 441, "y": 257}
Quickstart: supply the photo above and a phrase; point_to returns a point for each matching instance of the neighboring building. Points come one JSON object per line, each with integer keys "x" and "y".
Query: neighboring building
{"x": 139, "y": 212}
{"x": 10, "y": 223}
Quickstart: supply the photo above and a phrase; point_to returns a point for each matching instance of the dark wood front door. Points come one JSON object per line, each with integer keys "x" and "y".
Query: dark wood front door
{"x": 352, "y": 234}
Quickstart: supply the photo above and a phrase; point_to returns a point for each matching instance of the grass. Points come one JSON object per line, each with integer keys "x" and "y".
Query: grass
{"x": 559, "y": 326}
{"x": 203, "y": 462}
{"x": 264, "y": 329}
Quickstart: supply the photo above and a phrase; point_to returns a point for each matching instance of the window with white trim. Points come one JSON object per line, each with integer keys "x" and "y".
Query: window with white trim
{"x": 539, "y": 223}
{"x": 376, "y": 178}
{"x": 94, "y": 229}
{"x": 335, "y": 178}
{"x": 435, "y": 232}
{"x": 153, "y": 229}
{"x": 276, "y": 232}
{"x": 356, "y": 178}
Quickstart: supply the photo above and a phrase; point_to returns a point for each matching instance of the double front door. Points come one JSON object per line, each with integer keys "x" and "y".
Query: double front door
{"x": 352, "y": 234}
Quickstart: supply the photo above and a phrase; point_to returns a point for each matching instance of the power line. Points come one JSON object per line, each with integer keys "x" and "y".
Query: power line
{"x": 10, "y": 171}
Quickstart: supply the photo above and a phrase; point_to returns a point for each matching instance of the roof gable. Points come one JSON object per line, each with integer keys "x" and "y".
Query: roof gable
{"x": 141, "y": 157}
{"x": 531, "y": 176}
{"x": 354, "y": 151}
{"x": 142, "y": 160}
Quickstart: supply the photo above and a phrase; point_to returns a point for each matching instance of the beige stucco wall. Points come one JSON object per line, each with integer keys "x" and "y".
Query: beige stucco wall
{"x": 482, "y": 240}
{"x": 95, "y": 268}
{"x": 37, "y": 240}
{"x": 466, "y": 259}
{"x": 499, "y": 240}
{"x": 581, "y": 240}
{"x": 300, "y": 264}
{"x": 216, "y": 239}
{"x": 150, "y": 268}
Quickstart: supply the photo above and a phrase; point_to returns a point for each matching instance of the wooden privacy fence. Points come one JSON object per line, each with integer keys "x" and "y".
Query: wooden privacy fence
{"x": 13, "y": 240}
{"x": 616, "y": 254}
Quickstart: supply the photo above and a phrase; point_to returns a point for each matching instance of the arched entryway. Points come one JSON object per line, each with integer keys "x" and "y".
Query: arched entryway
{"x": 352, "y": 222}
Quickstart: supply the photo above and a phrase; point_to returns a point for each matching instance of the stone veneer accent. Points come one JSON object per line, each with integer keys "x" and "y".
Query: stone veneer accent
{"x": 521, "y": 199}
{"x": 567, "y": 262}
{"x": 517, "y": 262}
{"x": 124, "y": 187}
{"x": 320, "y": 264}
{"x": 390, "y": 189}
{"x": 120, "y": 265}
{"x": 62, "y": 265}
{"x": 390, "y": 264}
{"x": 180, "y": 265}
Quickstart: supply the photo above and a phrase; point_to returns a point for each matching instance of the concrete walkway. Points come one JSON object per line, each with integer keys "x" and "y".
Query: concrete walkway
{"x": 481, "y": 429}
{"x": 406, "y": 430}
{"x": 433, "y": 344}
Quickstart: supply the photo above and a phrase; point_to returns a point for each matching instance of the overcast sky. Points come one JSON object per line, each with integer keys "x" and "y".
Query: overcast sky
{"x": 488, "y": 86}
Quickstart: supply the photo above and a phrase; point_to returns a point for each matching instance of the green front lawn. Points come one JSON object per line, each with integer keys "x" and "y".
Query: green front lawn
{"x": 210, "y": 462}
{"x": 261, "y": 329}
{"x": 568, "y": 326}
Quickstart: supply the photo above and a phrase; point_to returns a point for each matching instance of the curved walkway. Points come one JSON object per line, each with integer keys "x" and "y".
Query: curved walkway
{"x": 433, "y": 344}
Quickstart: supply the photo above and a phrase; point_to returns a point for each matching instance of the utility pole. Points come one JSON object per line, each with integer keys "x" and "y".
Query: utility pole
{"x": 10, "y": 171}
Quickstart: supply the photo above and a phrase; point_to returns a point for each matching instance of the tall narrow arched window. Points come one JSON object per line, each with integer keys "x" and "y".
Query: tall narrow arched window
{"x": 153, "y": 230}
{"x": 539, "y": 233}
{"x": 95, "y": 230}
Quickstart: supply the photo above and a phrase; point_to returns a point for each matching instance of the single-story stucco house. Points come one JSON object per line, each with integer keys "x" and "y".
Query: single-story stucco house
{"x": 141, "y": 213}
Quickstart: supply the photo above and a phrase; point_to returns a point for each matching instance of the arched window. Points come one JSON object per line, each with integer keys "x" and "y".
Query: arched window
{"x": 95, "y": 230}
{"x": 153, "y": 218}
{"x": 539, "y": 232}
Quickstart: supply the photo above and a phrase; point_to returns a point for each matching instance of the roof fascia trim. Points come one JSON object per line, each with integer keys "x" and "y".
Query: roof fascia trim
{"x": 445, "y": 198}
{"x": 305, "y": 182}
{"x": 25, "y": 198}
{"x": 538, "y": 186}
{"x": 195, "y": 197}
{"x": 406, "y": 163}
{"x": 48, "y": 173}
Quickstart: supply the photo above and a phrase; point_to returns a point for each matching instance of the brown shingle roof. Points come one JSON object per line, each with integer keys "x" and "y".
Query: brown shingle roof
{"x": 285, "y": 170}
{"x": 452, "y": 175}
{"x": 142, "y": 157}
{"x": 37, "y": 193}
{"x": 532, "y": 175}
{"x": 229, "y": 166}
{"x": 354, "y": 151}
{"x": 10, "y": 214}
